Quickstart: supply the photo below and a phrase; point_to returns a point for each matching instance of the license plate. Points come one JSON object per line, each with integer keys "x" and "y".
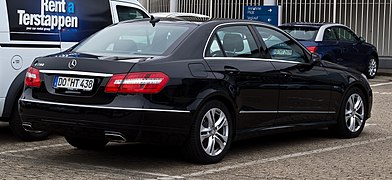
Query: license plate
{"x": 72, "y": 83}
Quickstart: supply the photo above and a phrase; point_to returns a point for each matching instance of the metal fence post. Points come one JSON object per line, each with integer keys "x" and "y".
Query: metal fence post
{"x": 270, "y": 3}
{"x": 173, "y": 6}
{"x": 335, "y": 3}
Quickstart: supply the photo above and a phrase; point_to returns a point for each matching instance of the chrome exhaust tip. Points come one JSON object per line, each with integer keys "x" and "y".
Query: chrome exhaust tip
{"x": 28, "y": 127}
{"x": 115, "y": 137}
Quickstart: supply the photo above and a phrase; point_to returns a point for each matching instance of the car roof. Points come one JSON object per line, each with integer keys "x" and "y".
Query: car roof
{"x": 212, "y": 22}
{"x": 304, "y": 24}
{"x": 183, "y": 16}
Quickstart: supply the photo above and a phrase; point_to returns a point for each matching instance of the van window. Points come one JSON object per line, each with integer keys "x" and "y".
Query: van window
{"x": 128, "y": 13}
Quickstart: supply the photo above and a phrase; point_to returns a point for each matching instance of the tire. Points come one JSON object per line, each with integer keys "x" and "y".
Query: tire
{"x": 20, "y": 132}
{"x": 352, "y": 115}
{"x": 209, "y": 140}
{"x": 371, "y": 70}
{"x": 86, "y": 143}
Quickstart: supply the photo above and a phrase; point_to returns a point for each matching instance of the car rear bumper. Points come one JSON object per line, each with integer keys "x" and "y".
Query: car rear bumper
{"x": 136, "y": 124}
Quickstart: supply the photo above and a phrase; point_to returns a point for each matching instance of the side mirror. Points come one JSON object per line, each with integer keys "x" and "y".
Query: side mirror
{"x": 315, "y": 58}
{"x": 362, "y": 40}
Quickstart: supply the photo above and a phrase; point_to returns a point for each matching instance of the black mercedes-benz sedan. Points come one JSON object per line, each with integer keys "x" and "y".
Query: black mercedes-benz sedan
{"x": 196, "y": 85}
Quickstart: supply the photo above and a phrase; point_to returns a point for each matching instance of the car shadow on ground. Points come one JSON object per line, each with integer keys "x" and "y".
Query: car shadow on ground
{"x": 150, "y": 158}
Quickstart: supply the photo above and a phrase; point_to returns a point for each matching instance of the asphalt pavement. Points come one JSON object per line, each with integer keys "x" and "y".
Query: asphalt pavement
{"x": 313, "y": 154}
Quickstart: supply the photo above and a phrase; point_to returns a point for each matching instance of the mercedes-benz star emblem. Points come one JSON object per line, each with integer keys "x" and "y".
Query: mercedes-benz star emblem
{"x": 72, "y": 64}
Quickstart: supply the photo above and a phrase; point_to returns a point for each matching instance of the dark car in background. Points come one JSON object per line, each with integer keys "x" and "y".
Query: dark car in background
{"x": 196, "y": 85}
{"x": 336, "y": 43}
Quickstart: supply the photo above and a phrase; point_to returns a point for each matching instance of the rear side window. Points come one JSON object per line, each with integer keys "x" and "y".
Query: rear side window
{"x": 128, "y": 13}
{"x": 281, "y": 47}
{"x": 236, "y": 41}
{"x": 214, "y": 49}
{"x": 302, "y": 33}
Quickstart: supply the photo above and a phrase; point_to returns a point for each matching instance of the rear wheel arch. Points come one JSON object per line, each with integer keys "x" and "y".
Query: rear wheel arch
{"x": 229, "y": 103}
{"x": 206, "y": 139}
{"x": 13, "y": 94}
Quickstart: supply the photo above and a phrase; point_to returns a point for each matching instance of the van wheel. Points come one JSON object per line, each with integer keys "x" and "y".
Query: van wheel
{"x": 352, "y": 117}
{"x": 20, "y": 132}
{"x": 211, "y": 134}
{"x": 86, "y": 143}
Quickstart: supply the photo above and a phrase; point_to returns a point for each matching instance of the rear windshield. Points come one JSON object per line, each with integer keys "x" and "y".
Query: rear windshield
{"x": 302, "y": 33}
{"x": 134, "y": 38}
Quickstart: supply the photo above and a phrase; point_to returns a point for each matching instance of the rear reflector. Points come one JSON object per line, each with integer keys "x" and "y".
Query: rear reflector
{"x": 32, "y": 78}
{"x": 312, "y": 49}
{"x": 140, "y": 82}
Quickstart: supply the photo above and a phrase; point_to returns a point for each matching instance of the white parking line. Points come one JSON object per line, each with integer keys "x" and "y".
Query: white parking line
{"x": 276, "y": 158}
{"x": 382, "y": 93}
{"x": 381, "y": 84}
{"x": 370, "y": 124}
{"x": 33, "y": 148}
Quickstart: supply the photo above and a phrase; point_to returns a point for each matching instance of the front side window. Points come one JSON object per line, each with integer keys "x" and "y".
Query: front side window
{"x": 281, "y": 47}
{"x": 236, "y": 41}
{"x": 130, "y": 39}
{"x": 128, "y": 13}
{"x": 345, "y": 34}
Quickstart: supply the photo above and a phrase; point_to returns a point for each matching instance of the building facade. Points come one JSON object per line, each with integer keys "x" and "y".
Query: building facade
{"x": 371, "y": 19}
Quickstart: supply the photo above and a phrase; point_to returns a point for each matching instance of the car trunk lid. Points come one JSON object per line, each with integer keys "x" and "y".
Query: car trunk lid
{"x": 79, "y": 80}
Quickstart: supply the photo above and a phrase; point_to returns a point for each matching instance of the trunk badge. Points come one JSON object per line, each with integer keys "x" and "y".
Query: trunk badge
{"x": 72, "y": 64}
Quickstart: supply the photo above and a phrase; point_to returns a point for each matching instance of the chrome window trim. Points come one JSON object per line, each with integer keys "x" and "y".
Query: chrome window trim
{"x": 251, "y": 59}
{"x": 288, "y": 112}
{"x": 82, "y": 73}
{"x": 241, "y": 58}
{"x": 230, "y": 23}
{"x": 103, "y": 107}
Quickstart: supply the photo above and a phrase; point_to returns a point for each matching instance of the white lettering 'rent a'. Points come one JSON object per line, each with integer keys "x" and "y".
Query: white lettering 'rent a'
{"x": 53, "y": 6}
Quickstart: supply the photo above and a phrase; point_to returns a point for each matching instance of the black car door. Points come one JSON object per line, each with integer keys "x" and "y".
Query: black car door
{"x": 304, "y": 93}
{"x": 329, "y": 46}
{"x": 234, "y": 57}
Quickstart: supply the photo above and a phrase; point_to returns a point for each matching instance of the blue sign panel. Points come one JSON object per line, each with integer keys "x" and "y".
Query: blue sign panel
{"x": 268, "y": 14}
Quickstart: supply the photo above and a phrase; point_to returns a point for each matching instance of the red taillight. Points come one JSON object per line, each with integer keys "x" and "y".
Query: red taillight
{"x": 312, "y": 49}
{"x": 139, "y": 82}
{"x": 32, "y": 78}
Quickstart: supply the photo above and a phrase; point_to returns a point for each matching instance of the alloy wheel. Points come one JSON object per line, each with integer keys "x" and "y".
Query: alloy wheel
{"x": 214, "y": 132}
{"x": 372, "y": 69}
{"x": 354, "y": 112}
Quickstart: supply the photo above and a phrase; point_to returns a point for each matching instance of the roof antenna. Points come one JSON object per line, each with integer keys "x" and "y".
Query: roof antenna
{"x": 153, "y": 21}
